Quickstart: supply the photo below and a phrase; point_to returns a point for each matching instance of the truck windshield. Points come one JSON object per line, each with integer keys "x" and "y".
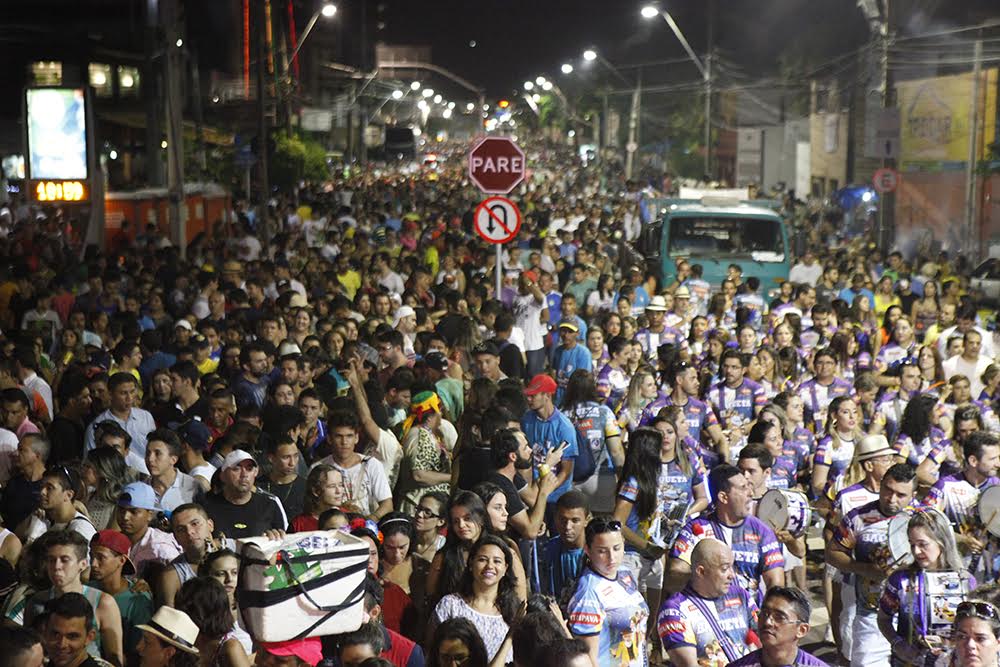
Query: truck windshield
{"x": 723, "y": 236}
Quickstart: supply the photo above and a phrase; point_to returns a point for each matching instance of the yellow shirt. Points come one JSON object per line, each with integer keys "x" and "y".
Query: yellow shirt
{"x": 207, "y": 366}
{"x": 351, "y": 281}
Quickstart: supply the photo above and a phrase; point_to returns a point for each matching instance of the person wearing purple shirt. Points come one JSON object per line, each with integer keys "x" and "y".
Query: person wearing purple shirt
{"x": 613, "y": 379}
{"x": 658, "y": 333}
{"x": 958, "y": 495}
{"x": 759, "y": 561}
{"x": 919, "y": 602}
{"x": 736, "y": 400}
{"x": 711, "y": 622}
{"x": 783, "y": 621}
{"x": 684, "y": 386}
{"x": 818, "y": 392}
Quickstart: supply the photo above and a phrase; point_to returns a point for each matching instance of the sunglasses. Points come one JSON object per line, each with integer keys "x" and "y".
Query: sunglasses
{"x": 977, "y": 609}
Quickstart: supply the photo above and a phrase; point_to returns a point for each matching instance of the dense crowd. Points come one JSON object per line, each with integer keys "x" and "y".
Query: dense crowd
{"x": 590, "y": 467}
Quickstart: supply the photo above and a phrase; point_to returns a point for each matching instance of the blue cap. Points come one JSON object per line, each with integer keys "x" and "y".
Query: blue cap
{"x": 138, "y": 495}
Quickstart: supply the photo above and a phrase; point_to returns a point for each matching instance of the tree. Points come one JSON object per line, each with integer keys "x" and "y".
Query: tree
{"x": 296, "y": 158}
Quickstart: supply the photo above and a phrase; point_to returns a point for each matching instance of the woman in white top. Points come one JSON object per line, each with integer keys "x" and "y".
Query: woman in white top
{"x": 486, "y": 595}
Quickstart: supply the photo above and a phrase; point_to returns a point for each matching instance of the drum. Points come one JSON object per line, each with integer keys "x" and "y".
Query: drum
{"x": 782, "y": 509}
{"x": 989, "y": 510}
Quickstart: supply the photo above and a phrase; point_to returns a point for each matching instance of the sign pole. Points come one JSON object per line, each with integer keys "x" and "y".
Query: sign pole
{"x": 498, "y": 272}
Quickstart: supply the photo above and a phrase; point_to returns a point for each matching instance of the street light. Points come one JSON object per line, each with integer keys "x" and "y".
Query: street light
{"x": 428, "y": 92}
{"x": 567, "y": 68}
{"x": 437, "y": 99}
{"x": 539, "y": 80}
{"x": 397, "y": 94}
{"x": 547, "y": 86}
{"x": 652, "y": 11}
{"x": 446, "y": 114}
{"x": 528, "y": 85}
{"x": 415, "y": 86}
{"x": 470, "y": 106}
{"x": 590, "y": 55}
{"x": 327, "y": 11}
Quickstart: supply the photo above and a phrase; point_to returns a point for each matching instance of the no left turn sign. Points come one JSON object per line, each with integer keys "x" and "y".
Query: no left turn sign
{"x": 497, "y": 220}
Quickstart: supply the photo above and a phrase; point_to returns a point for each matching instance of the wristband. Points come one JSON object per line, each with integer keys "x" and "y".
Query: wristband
{"x": 543, "y": 470}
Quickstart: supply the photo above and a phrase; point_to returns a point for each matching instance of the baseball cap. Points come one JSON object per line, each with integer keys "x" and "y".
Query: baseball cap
{"x": 540, "y": 384}
{"x": 569, "y": 324}
{"x": 138, "y": 495}
{"x": 436, "y": 360}
{"x": 486, "y": 347}
{"x": 183, "y": 324}
{"x": 309, "y": 650}
{"x": 115, "y": 541}
{"x": 196, "y": 435}
{"x": 235, "y": 458}
{"x": 401, "y": 312}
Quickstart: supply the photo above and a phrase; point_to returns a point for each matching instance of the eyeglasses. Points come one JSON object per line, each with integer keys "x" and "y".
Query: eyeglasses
{"x": 977, "y": 609}
{"x": 425, "y": 512}
{"x": 776, "y": 617}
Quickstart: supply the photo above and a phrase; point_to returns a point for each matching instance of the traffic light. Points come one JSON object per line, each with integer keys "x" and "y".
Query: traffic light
{"x": 503, "y": 104}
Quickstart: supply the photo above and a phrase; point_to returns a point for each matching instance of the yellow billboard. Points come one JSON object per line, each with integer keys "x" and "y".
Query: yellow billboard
{"x": 935, "y": 120}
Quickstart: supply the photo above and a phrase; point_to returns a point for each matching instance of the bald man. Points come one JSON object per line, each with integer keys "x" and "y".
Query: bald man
{"x": 713, "y": 620}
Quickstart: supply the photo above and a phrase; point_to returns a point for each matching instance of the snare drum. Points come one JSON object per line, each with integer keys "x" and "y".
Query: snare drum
{"x": 782, "y": 509}
{"x": 989, "y": 510}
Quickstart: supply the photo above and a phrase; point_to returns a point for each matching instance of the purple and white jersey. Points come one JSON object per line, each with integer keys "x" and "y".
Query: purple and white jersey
{"x": 802, "y": 659}
{"x": 817, "y": 397}
{"x": 718, "y": 628}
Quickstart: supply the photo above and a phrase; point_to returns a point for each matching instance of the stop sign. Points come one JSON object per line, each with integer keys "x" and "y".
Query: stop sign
{"x": 496, "y": 165}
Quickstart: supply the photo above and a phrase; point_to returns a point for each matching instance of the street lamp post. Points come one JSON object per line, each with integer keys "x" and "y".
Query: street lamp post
{"x": 652, "y": 11}
{"x": 327, "y": 10}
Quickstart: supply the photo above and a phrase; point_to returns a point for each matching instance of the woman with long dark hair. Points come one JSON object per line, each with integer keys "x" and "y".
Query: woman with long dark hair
{"x": 661, "y": 483}
{"x": 607, "y": 609}
{"x": 457, "y": 642}
{"x": 204, "y": 599}
{"x": 918, "y": 430}
{"x": 496, "y": 512}
{"x": 486, "y": 595}
{"x": 467, "y": 521}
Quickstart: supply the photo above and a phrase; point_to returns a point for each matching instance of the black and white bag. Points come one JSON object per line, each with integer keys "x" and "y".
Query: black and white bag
{"x": 305, "y": 585}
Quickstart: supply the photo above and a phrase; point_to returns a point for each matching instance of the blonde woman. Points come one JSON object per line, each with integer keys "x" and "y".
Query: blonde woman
{"x": 836, "y": 449}
{"x": 918, "y": 600}
{"x": 641, "y": 392}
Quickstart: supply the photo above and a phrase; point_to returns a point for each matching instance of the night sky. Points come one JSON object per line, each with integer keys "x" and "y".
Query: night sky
{"x": 518, "y": 39}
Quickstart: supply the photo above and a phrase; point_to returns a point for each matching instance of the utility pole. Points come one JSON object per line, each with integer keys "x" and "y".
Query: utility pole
{"x": 633, "y": 126}
{"x": 887, "y": 211}
{"x": 708, "y": 90}
{"x": 151, "y": 95}
{"x": 262, "y": 130}
{"x": 173, "y": 70}
{"x": 972, "y": 234}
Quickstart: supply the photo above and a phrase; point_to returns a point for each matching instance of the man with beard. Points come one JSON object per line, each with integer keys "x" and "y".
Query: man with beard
{"x": 510, "y": 454}
{"x": 193, "y": 530}
{"x": 859, "y": 547}
{"x": 239, "y": 510}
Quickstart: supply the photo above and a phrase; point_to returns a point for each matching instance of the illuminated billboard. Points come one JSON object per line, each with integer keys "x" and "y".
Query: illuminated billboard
{"x": 57, "y": 133}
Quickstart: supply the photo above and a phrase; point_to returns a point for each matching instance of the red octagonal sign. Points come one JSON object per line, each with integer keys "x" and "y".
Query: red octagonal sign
{"x": 496, "y": 165}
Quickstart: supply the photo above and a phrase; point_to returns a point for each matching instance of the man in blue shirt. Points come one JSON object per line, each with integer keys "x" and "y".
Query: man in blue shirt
{"x": 569, "y": 356}
{"x": 857, "y": 288}
{"x": 546, "y": 429}
{"x": 563, "y": 556}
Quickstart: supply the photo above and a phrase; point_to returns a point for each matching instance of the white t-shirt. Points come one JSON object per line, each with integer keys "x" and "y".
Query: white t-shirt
{"x": 972, "y": 370}
{"x": 206, "y": 472}
{"x": 528, "y": 311}
{"x": 808, "y": 274}
{"x": 8, "y": 454}
{"x": 366, "y": 483}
